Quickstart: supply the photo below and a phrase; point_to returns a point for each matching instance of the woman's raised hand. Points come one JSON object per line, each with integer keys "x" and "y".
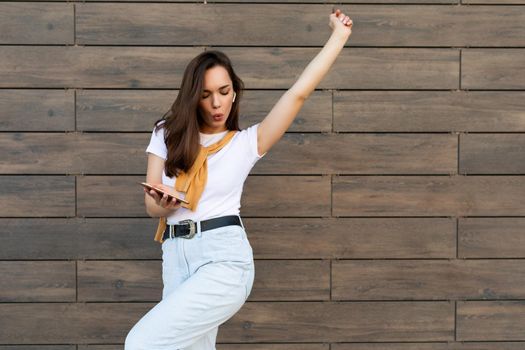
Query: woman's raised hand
{"x": 163, "y": 201}
{"x": 340, "y": 22}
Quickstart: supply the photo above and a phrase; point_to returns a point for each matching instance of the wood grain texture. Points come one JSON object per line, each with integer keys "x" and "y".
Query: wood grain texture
{"x": 361, "y": 154}
{"x": 492, "y": 154}
{"x": 37, "y": 110}
{"x": 428, "y": 195}
{"x": 96, "y": 67}
{"x": 278, "y": 280}
{"x": 431, "y": 346}
{"x": 262, "y": 25}
{"x": 492, "y": 69}
{"x": 129, "y": 110}
{"x": 37, "y": 24}
{"x": 491, "y": 238}
{"x": 342, "y": 322}
{"x": 326, "y": 238}
{"x": 429, "y": 111}
{"x": 37, "y": 196}
{"x": 494, "y": 320}
{"x": 38, "y": 281}
{"x": 296, "y": 153}
{"x": 427, "y": 279}
{"x": 79, "y": 238}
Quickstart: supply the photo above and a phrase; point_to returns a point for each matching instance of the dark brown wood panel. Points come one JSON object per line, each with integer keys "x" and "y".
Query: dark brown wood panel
{"x": 290, "y": 196}
{"x": 427, "y": 279}
{"x": 75, "y": 153}
{"x": 296, "y": 153}
{"x": 254, "y": 25}
{"x": 96, "y": 67}
{"x": 287, "y": 280}
{"x": 131, "y": 280}
{"x": 493, "y": 2}
{"x": 341, "y": 322}
{"x": 428, "y": 195}
{"x": 119, "y": 281}
{"x": 429, "y": 111}
{"x": 361, "y": 154}
{"x": 431, "y": 346}
{"x": 37, "y": 196}
{"x": 492, "y": 154}
{"x": 355, "y": 68}
{"x": 38, "y": 281}
{"x": 98, "y": 323}
{"x": 37, "y": 110}
{"x": 491, "y": 238}
{"x": 129, "y": 110}
{"x": 110, "y": 196}
{"x": 493, "y": 68}
{"x": 77, "y": 238}
{"x": 93, "y": 66}
{"x": 490, "y": 320}
{"x": 69, "y": 323}
{"x": 36, "y": 23}
{"x": 275, "y": 238}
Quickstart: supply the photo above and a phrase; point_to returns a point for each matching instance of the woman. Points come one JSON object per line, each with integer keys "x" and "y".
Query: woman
{"x": 207, "y": 266}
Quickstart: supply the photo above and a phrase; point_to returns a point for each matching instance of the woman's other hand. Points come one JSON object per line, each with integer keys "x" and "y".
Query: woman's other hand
{"x": 163, "y": 200}
{"x": 340, "y": 22}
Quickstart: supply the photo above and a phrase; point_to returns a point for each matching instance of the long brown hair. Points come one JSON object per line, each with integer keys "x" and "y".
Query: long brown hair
{"x": 181, "y": 122}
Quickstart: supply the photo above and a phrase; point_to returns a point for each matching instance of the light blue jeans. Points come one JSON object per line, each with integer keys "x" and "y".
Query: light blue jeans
{"x": 206, "y": 279}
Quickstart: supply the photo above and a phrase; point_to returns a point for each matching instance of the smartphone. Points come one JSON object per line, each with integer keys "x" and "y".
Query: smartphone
{"x": 160, "y": 191}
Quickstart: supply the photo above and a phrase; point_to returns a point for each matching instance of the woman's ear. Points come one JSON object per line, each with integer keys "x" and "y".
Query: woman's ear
{"x": 234, "y": 94}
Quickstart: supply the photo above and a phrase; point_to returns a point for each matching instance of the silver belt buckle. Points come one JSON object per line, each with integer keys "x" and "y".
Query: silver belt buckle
{"x": 192, "y": 226}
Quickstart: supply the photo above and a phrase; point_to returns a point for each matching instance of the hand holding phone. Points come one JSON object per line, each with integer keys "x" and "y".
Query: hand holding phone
{"x": 162, "y": 196}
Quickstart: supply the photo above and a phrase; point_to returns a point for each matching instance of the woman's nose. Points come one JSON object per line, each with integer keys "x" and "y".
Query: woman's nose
{"x": 216, "y": 102}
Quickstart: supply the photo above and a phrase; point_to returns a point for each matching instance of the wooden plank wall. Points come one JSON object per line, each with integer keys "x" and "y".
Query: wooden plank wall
{"x": 390, "y": 216}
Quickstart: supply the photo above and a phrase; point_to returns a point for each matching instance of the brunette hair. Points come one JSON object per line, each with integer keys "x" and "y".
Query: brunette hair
{"x": 181, "y": 122}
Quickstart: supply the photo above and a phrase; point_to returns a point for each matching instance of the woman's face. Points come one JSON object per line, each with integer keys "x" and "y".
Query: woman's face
{"x": 216, "y": 98}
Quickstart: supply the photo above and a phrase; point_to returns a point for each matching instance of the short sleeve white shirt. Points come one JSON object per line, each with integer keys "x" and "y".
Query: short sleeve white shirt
{"x": 227, "y": 171}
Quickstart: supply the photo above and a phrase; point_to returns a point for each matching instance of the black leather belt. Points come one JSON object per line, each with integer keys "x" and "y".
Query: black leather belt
{"x": 188, "y": 228}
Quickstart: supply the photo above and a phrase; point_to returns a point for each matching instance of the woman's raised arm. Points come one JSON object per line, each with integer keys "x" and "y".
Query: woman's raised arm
{"x": 281, "y": 116}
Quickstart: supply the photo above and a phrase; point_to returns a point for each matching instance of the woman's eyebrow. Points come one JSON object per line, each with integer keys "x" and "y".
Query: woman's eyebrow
{"x": 222, "y": 87}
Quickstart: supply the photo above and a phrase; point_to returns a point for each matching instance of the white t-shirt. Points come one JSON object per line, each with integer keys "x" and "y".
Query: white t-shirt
{"x": 227, "y": 170}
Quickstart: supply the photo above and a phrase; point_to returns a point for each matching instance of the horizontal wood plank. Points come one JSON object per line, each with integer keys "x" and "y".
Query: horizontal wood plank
{"x": 78, "y": 238}
{"x": 38, "y": 281}
{"x": 295, "y": 153}
{"x": 431, "y": 346}
{"x": 428, "y": 195}
{"x": 341, "y": 322}
{"x": 142, "y": 281}
{"x": 427, "y": 279}
{"x": 277, "y": 68}
{"x": 361, "y": 154}
{"x": 37, "y": 196}
{"x": 493, "y": 69}
{"x": 36, "y": 23}
{"x": 271, "y": 238}
{"x": 93, "y": 66}
{"x": 37, "y": 110}
{"x": 490, "y": 320}
{"x": 149, "y": 24}
{"x": 491, "y": 238}
{"x": 131, "y": 110}
{"x": 110, "y": 196}
{"x": 492, "y": 154}
{"x": 429, "y": 111}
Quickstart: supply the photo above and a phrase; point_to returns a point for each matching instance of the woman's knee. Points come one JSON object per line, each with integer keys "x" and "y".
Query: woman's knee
{"x": 134, "y": 340}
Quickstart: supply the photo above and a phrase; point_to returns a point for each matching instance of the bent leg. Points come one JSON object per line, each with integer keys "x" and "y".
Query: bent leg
{"x": 204, "y": 301}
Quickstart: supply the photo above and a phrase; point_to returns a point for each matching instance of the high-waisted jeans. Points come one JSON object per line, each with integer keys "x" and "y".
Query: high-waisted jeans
{"x": 206, "y": 279}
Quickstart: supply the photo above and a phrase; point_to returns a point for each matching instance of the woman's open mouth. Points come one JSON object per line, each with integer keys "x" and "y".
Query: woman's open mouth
{"x": 218, "y": 117}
